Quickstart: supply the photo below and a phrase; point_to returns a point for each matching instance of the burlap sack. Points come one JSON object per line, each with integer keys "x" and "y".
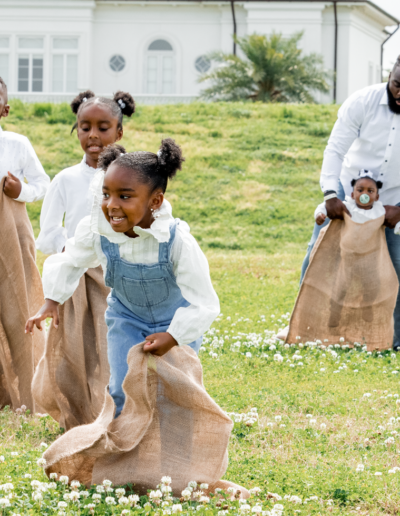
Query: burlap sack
{"x": 349, "y": 289}
{"x": 21, "y": 295}
{"x": 169, "y": 426}
{"x": 72, "y": 375}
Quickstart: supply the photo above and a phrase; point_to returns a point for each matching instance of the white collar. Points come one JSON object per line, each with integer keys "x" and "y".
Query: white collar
{"x": 384, "y": 99}
{"x": 376, "y": 211}
{"x": 99, "y": 225}
{"x": 86, "y": 169}
{"x": 1, "y": 129}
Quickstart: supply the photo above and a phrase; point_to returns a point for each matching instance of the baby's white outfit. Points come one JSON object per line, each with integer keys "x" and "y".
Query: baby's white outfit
{"x": 68, "y": 200}
{"x": 19, "y": 157}
{"x": 358, "y": 214}
{"x": 62, "y": 272}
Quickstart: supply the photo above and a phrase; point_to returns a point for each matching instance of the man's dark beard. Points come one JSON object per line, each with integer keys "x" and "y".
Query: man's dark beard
{"x": 394, "y": 108}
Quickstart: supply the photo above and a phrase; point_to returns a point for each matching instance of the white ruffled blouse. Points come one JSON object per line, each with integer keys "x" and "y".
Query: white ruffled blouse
{"x": 68, "y": 200}
{"x": 62, "y": 272}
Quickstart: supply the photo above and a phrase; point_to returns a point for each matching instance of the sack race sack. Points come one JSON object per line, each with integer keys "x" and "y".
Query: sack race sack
{"x": 21, "y": 295}
{"x": 350, "y": 288}
{"x": 169, "y": 426}
{"x": 72, "y": 375}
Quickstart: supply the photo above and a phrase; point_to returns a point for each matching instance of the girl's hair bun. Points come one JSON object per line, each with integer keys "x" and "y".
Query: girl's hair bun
{"x": 109, "y": 155}
{"x": 170, "y": 157}
{"x": 80, "y": 99}
{"x": 125, "y": 102}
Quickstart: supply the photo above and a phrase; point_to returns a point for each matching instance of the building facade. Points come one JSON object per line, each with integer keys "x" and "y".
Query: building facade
{"x": 155, "y": 49}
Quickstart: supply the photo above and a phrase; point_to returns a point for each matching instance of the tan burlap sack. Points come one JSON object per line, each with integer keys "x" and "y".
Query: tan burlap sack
{"x": 349, "y": 289}
{"x": 72, "y": 375}
{"x": 168, "y": 426}
{"x": 21, "y": 295}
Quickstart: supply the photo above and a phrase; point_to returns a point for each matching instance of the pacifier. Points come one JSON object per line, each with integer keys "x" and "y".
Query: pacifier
{"x": 364, "y": 198}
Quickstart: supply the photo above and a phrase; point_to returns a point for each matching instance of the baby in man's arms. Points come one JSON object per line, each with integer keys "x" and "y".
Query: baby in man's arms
{"x": 364, "y": 204}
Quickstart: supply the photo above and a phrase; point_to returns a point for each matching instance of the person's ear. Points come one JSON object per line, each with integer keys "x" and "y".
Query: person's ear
{"x": 120, "y": 134}
{"x": 156, "y": 200}
{"x": 6, "y": 111}
{"x": 352, "y": 195}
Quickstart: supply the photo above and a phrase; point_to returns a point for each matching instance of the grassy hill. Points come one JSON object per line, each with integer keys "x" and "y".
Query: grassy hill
{"x": 248, "y": 189}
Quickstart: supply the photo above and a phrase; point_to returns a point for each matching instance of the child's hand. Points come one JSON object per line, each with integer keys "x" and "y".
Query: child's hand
{"x": 159, "y": 343}
{"x": 49, "y": 309}
{"x": 321, "y": 217}
{"x": 12, "y": 186}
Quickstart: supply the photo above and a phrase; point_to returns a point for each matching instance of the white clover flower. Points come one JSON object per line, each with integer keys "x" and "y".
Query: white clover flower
{"x": 44, "y": 445}
{"x": 123, "y": 500}
{"x": 217, "y": 490}
{"x": 308, "y": 416}
{"x": 67, "y": 496}
{"x": 53, "y": 476}
{"x": 134, "y": 499}
{"x": 389, "y": 441}
{"x": 155, "y": 495}
{"x": 125, "y": 512}
{"x": 166, "y": 480}
{"x": 378, "y": 474}
{"x": 204, "y": 499}
{"x": 186, "y": 494}
{"x": 231, "y": 490}
{"x": 28, "y": 475}
{"x": 64, "y": 479}
{"x": 110, "y": 500}
{"x": 360, "y": 468}
{"x": 255, "y": 491}
{"x": 75, "y": 484}
{"x": 38, "y": 497}
{"x": 295, "y": 499}
{"x": 367, "y": 395}
{"x": 96, "y": 496}
{"x": 205, "y": 486}
{"x": 278, "y": 358}
{"x": 4, "y": 502}
{"x": 74, "y": 496}
{"x": 278, "y": 418}
{"x": 107, "y": 483}
{"x": 313, "y": 421}
{"x": 2, "y": 459}
{"x": 176, "y": 508}
{"x": 100, "y": 489}
{"x": 248, "y": 354}
{"x": 257, "y": 509}
{"x": 14, "y": 453}
{"x": 52, "y": 485}
{"x": 192, "y": 484}
{"x": 7, "y": 487}
{"x": 120, "y": 492}
{"x": 35, "y": 484}
{"x": 90, "y": 506}
{"x": 322, "y": 426}
{"x": 245, "y": 507}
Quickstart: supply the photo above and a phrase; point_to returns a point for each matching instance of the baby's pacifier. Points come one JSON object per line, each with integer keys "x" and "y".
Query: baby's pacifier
{"x": 364, "y": 198}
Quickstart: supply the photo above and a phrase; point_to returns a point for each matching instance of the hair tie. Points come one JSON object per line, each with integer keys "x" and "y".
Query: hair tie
{"x": 366, "y": 173}
{"x": 121, "y": 103}
{"x": 84, "y": 99}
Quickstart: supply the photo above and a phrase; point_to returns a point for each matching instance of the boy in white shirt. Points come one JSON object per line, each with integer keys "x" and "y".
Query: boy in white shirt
{"x": 21, "y": 286}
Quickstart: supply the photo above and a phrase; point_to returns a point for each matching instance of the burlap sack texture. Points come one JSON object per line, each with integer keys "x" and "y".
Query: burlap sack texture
{"x": 169, "y": 426}
{"x": 21, "y": 295}
{"x": 349, "y": 289}
{"x": 72, "y": 375}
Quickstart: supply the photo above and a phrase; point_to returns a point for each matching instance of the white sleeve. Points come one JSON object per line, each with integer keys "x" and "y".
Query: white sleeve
{"x": 53, "y": 235}
{"x": 38, "y": 180}
{"x": 346, "y": 129}
{"x": 320, "y": 209}
{"x": 62, "y": 272}
{"x": 397, "y": 229}
{"x": 193, "y": 278}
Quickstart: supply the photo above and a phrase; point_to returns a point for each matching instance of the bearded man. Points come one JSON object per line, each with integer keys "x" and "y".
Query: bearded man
{"x": 366, "y": 136}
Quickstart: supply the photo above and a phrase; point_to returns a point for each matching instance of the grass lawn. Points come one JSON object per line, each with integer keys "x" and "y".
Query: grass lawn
{"x": 326, "y": 439}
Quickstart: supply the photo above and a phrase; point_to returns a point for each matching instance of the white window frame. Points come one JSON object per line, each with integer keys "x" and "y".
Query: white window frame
{"x": 160, "y": 54}
{"x": 31, "y": 53}
{"x": 64, "y": 52}
{"x": 7, "y": 52}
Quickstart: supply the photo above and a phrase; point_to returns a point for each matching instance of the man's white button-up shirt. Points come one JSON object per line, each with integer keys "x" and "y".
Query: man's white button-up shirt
{"x": 366, "y": 135}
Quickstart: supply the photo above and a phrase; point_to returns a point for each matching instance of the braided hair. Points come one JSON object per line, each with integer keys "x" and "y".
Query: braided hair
{"x": 152, "y": 169}
{"x": 121, "y": 104}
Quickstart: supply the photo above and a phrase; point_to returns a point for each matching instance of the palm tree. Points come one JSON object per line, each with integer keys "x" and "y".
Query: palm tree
{"x": 274, "y": 70}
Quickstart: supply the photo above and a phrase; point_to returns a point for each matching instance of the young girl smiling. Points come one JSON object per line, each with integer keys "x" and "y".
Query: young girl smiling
{"x": 160, "y": 280}
{"x": 79, "y": 346}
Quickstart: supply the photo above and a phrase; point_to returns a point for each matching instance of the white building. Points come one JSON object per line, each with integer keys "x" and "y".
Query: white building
{"x": 50, "y": 49}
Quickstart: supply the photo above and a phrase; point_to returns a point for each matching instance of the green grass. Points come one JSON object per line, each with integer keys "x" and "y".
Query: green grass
{"x": 248, "y": 190}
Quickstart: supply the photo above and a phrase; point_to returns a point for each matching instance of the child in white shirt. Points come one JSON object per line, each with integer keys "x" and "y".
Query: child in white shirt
{"x": 364, "y": 203}
{"x": 80, "y": 344}
{"x": 20, "y": 281}
{"x": 161, "y": 286}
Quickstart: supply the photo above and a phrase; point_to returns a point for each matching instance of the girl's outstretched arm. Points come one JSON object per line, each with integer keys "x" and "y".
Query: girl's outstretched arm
{"x": 49, "y": 309}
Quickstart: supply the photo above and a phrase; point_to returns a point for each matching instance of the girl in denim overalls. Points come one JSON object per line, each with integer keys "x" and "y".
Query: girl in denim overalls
{"x": 161, "y": 286}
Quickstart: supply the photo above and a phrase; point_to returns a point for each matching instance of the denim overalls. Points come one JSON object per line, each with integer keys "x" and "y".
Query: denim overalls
{"x": 143, "y": 300}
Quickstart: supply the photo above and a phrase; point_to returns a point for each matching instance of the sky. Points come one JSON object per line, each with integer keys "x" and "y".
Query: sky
{"x": 392, "y": 47}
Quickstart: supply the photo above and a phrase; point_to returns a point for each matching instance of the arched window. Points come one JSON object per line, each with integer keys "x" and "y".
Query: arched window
{"x": 160, "y": 77}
